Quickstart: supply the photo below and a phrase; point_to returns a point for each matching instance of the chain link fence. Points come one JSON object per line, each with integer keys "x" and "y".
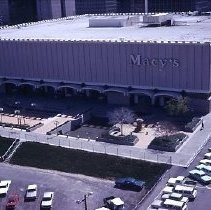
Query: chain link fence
{"x": 131, "y": 152}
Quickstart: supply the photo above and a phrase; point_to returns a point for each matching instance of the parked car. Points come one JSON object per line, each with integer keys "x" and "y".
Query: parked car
{"x": 175, "y": 196}
{"x": 174, "y": 181}
{"x": 4, "y": 187}
{"x": 167, "y": 190}
{"x": 186, "y": 191}
{"x": 189, "y": 182}
{"x": 113, "y": 203}
{"x": 207, "y": 155}
{"x": 205, "y": 162}
{"x": 12, "y": 201}
{"x": 130, "y": 183}
{"x": 31, "y": 192}
{"x": 157, "y": 204}
{"x": 200, "y": 176}
{"x": 172, "y": 204}
{"x": 47, "y": 200}
{"x": 203, "y": 166}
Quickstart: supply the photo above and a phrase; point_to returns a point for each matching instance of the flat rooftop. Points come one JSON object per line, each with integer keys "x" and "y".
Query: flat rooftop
{"x": 190, "y": 28}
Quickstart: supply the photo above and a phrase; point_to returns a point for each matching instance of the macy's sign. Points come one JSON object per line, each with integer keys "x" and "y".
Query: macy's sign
{"x": 154, "y": 62}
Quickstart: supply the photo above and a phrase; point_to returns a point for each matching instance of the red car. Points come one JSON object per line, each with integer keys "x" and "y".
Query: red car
{"x": 12, "y": 201}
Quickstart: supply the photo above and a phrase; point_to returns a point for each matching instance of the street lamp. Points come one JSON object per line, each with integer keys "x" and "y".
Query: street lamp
{"x": 1, "y": 111}
{"x": 17, "y": 112}
{"x": 84, "y": 200}
{"x": 56, "y": 124}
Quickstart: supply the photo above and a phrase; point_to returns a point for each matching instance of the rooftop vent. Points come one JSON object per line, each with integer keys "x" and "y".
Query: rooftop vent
{"x": 159, "y": 19}
{"x": 114, "y": 21}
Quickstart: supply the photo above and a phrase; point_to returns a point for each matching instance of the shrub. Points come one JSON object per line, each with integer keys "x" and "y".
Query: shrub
{"x": 169, "y": 143}
{"x": 177, "y": 107}
{"x": 191, "y": 126}
{"x": 122, "y": 140}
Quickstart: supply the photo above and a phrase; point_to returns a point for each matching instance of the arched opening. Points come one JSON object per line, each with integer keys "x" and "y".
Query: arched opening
{"x": 66, "y": 92}
{"x": 9, "y": 87}
{"x": 26, "y": 89}
{"x": 160, "y": 99}
{"x": 141, "y": 100}
{"x": 93, "y": 92}
{"x": 45, "y": 90}
{"x": 117, "y": 96}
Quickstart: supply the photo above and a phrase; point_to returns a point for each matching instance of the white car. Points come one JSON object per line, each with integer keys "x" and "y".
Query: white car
{"x": 4, "y": 186}
{"x": 186, "y": 191}
{"x": 175, "y": 196}
{"x": 205, "y": 162}
{"x": 208, "y": 155}
{"x": 174, "y": 181}
{"x": 157, "y": 204}
{"x": 167, "y": 190}
{"x": 31, "y": 192}
{"x": 47, "y": 200}
{"x": 200, "y": 176}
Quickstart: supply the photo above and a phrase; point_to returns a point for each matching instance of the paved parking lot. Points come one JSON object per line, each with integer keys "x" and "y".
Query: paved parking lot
{"x": 202, "y": 201}
{"x": 67, "y": 187}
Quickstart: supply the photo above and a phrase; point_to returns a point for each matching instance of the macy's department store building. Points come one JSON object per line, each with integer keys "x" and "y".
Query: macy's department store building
{"x": 124, "y": 64}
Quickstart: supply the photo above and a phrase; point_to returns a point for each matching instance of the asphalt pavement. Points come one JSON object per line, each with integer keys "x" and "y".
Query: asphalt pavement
{"x": 68, "y": 188}
{"x": 202, "y": 201}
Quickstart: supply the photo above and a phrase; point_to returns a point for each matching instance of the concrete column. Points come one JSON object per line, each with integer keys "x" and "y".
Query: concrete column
{"x": 161, "y": 101}
{"x": 146, "y": 6}
{"x": 135, "y": 99}
{"x": 4, "y": 12}
{"x": 70, "y": 7}
{"x": 43, "y": 9}
{"x": 45, "y": 89}
{"x": 56, "y": 10}
{"x": 132, "y": 6}
{"x": 87, "y": 93}
{"x": 75, "y": 91}
{"x": 65, "y": 91}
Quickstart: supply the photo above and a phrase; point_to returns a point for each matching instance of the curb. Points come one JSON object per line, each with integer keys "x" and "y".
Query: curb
{"x": 153, "y": 187}
{"x": 199, "y": 150}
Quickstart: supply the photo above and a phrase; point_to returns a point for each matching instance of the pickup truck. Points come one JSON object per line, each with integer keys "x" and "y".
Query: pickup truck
{"x": 113, "y": 203}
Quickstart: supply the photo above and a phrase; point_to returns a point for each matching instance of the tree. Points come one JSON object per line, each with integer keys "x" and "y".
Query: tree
{"x": 177, "y": 107}
{"x": 164, "y": 129}
{"x": 121, "y": 115}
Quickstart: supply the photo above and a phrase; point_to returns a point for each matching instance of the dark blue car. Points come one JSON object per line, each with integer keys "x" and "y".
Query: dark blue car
{"x": 129, "y": 183}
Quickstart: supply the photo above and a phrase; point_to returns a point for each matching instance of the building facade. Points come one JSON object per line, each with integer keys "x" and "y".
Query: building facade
{"x": 19, "y": 11}
{"x": 121, "y": 70}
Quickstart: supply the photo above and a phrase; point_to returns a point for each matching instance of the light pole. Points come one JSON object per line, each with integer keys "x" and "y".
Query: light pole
{"x": 17, "y": 112}
{"x": 146, "y": 6}
{"x": 56, "y": 124}
{"x": 84, "y": 200}
{"x": 1, "y": 111}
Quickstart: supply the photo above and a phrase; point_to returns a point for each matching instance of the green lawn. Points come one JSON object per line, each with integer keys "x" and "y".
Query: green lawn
{"x": 91, "y": 164}
{"x": 5, "y": 143}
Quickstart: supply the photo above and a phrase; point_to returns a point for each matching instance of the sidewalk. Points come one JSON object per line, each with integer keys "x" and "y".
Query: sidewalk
{"x": 183, "y": 157}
